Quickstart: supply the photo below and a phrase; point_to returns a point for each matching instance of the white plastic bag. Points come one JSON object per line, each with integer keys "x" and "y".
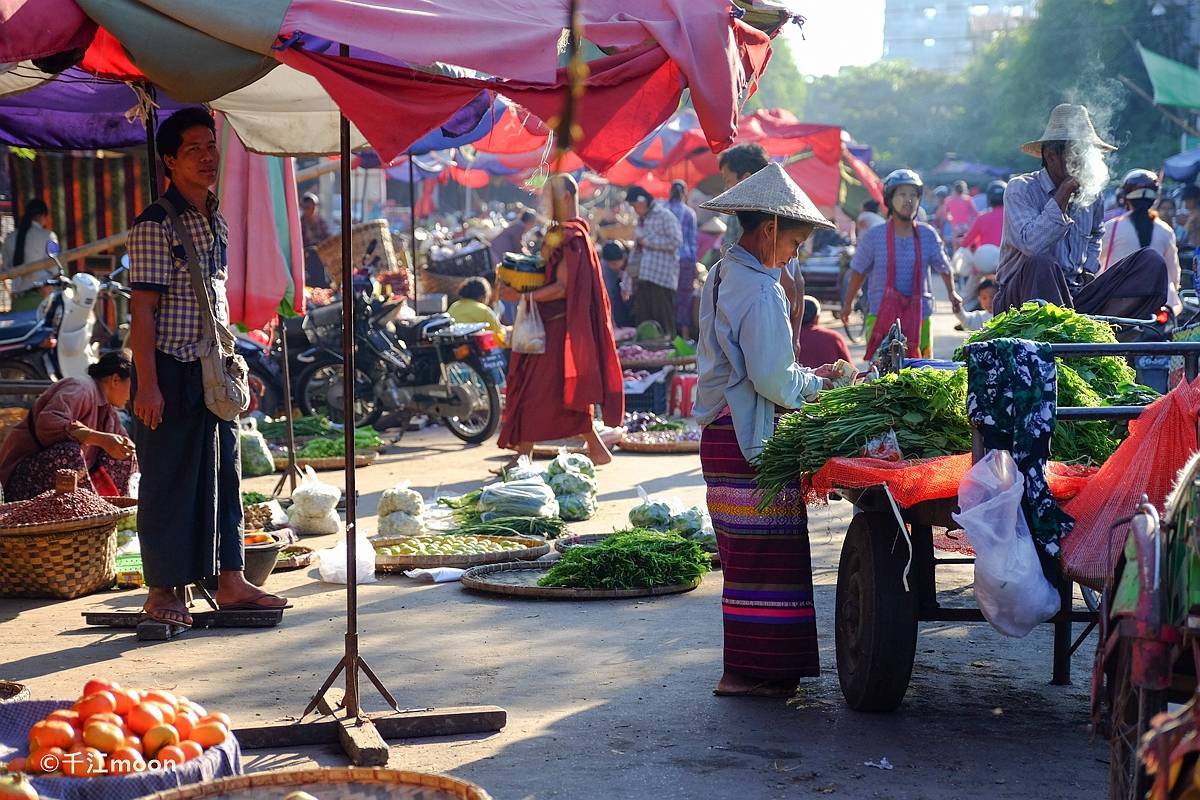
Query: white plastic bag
{"x": 1012, "y": 591}
{"x": 313, "y": 524}
{"x": 528, "y": 333}
{"x": 256, "y": 455}
{"x": 333, "y": 561}
{"x": 313, "y": 498}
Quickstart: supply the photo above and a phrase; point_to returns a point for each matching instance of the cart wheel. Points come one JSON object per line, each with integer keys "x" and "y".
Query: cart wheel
{"x": 1130, "y": 710}
{"x": 876, "y": 620}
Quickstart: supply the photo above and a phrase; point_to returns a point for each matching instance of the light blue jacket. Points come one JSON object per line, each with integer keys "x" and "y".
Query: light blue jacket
{"x": 745, "y": 357}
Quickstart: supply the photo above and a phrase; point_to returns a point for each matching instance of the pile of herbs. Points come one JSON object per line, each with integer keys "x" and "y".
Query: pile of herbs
{"x": 315, "y": 425}
{"x": 630, "y": 559}
{"x": 926, "y": 408}
{"x": 335, "y": 447}
{"x": 546, "y": 527}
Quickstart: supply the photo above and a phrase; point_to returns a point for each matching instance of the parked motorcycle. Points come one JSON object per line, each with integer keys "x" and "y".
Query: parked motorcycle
{"x": 56, "y": 340}
{"x": 1152, "y": 371}
{"x": 425, "y": 366}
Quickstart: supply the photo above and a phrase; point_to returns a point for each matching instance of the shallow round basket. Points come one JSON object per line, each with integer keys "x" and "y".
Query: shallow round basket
{"x": 436, "y": 283}
{"x": 534, "y": 548}
{"x": 360, "y": 460}
{"x": 13, "y": 692}
{"x": 633, "y": 443}
{"x": 564, "y": 543}
{"x": 332, "y": 783}
{"x": 519, "y": 579}
{"x": 294, "y": 556}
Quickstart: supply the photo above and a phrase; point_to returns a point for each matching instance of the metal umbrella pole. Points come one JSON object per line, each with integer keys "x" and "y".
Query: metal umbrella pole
{"x": 293, "y": 471}
{"x": 412, "y": 226}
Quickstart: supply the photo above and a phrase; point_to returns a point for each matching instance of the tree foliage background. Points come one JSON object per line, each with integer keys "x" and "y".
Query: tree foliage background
{"x": 1074, "y": 51}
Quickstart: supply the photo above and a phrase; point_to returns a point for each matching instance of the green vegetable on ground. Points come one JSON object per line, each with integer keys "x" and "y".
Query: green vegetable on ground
{"x": 335, "y": 447}
{"x": 632, "y": 559}
{"x": 464, "y": 509}
{"x": 547, "y": 527}
{"x": 302, "y": 426}
{"x": 254, "y": 498}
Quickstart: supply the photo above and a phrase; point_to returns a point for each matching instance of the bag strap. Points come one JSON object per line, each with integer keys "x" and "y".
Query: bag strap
{"x": 221, "y": 337}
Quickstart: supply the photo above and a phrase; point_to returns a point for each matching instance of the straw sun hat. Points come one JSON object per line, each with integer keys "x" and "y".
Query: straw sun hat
{"x": 1068, "y": 123}
{"x": 770, "y": 191}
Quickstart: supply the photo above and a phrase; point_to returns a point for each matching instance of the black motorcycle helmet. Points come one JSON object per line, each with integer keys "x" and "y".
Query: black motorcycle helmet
{"x": 1140, "y": 184}
{"x": 995, "y": 193}
{"x": 898, "y": 178}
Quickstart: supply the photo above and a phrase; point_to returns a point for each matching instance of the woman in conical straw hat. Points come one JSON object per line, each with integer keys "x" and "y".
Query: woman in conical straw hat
{"x": 748, "y": 374}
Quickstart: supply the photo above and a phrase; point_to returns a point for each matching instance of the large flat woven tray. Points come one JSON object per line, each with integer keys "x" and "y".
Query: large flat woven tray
{"x": 127, "y": 507}
{"x": 632, "y": 443}
{"x": 519, "y": 579}
{"x": 564, "y": 543}
{"x": 332, "y": 783}
{"x": 534, "y": 548}
{"x": 360, "y": 460}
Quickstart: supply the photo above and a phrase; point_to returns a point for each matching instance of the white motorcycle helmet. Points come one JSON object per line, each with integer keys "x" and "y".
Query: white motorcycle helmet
{"x": 987, "y": 259}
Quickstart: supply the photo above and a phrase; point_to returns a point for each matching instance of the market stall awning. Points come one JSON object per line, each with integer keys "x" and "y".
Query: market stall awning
{"x": 1175, "y": 84}
{"x": 1183, "y": 167}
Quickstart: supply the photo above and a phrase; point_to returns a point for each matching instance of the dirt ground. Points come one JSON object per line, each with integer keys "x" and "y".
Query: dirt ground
{"x": 605, "y": 699}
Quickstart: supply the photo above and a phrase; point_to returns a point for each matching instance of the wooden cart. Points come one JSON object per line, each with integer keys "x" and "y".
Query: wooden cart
{"x": 887, "y": 573}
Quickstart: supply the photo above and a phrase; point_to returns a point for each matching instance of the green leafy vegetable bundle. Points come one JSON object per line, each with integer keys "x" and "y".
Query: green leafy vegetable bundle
{"x": 548, "y": 527}
{"x": 632, "y": 559}
{"x": 335, "y": 447}
{"x": 927, "y": 409}
{"x": 316, "y": 425}
{"x": 464, "y": 509}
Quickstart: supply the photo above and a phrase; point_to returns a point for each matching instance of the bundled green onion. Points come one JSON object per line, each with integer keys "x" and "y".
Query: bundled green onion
{"x": 546, "y": 527}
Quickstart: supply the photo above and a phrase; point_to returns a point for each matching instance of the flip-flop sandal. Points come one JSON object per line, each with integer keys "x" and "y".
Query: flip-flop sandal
{"x": 251, "y": 605}
{"x": 764, "y": 689}
{"x": 159, "y": 615}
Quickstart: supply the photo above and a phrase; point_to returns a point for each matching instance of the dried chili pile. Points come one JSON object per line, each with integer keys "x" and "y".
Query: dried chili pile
{"x": 53, "y": 506}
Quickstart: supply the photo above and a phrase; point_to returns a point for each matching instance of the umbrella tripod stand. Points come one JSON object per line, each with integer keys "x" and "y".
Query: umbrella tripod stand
{"x": 362, "y": 736}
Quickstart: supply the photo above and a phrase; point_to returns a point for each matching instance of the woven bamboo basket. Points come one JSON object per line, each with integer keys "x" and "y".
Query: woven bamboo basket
{"x": 449, "y": 285}
{"x": 62, "y": 559}
{"x": 381, "y": 258}
{"x": 534, "y": 548}
{"x": 295, "y": 556}
{"x": 13, "y": 692}
{"x": 360, "y": 460}
{"x": 331, "y": 783}
{"x": 632, "y": 443}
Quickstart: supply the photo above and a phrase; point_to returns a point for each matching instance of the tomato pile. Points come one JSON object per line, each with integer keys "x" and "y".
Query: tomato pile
{"x": 112, "y": 730}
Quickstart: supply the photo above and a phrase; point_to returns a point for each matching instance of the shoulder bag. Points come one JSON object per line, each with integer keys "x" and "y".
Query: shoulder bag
{"x": 226, "y": 391}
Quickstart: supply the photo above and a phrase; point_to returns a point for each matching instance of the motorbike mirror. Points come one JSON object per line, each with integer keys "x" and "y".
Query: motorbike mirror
{"x": 53, "y": 249}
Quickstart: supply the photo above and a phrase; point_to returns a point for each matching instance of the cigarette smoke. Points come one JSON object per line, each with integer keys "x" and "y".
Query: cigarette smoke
{"x": 1086, "y": 164}
{"x": 1105, "y": 99}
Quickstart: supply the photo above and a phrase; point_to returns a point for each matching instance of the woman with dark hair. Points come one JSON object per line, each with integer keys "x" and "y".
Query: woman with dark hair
{"x": 1139, "y": 227}
{"x": 27, "y": 244}
{"x": 74, "y": 425}
{"x": 748, "y": 375}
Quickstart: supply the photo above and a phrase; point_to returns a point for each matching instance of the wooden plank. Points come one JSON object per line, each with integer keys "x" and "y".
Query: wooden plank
{"x": 288, "y": 734}
{"x": 151, "y": 631}
{"x": 359, "y": 737}
{"x": 267, "y": 618}
{"x": 440, "y": 722}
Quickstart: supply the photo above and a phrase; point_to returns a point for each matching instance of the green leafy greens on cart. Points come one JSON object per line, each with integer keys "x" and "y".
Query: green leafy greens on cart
{"x": 927, "y": 409}
{"x": 632, "y": 559}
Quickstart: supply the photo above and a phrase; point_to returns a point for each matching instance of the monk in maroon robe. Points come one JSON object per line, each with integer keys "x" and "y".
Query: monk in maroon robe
{"x": 552, "y": 395}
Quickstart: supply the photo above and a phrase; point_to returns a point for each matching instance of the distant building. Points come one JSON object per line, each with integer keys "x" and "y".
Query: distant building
{"x": 944, "y": 34}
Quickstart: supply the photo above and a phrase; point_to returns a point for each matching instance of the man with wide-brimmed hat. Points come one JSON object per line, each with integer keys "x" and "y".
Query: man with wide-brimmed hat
{"x": 747, "y": 375}
{"x": 1051, "y": 245}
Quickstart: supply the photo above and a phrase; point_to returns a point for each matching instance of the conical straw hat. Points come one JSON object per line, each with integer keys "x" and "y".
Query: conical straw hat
{"x": 1068, "y": 123}
{"x": 769, "y": 190}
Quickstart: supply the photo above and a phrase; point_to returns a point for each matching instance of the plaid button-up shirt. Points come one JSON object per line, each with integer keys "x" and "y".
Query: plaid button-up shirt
{"x": 158, "y": 263}
{"x": 658, "y": 239}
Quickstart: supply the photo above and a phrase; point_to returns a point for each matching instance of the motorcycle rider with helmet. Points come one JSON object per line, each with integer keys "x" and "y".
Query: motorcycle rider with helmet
{"x": 1141, "y": 227}
{"x": 898, "y": 257}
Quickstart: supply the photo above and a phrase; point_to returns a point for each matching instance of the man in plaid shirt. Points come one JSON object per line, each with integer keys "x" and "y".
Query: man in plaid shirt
{"x": 656, "y": 258}
{"x": 189, "y": 510}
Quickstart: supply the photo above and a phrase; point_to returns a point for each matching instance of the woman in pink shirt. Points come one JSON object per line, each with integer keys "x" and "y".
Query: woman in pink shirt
{"x": 988, "y": 228}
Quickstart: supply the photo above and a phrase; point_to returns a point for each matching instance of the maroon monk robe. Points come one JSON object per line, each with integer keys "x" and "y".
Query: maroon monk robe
{"x": 551, "y": 395}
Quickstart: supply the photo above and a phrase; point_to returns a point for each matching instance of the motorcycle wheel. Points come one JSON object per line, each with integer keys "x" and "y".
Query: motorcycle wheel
{"x": 264, "y": 396}
{"x": 319, "y": 391}
{"x": 484, "y": 419}
{"x": 17, "y": 370}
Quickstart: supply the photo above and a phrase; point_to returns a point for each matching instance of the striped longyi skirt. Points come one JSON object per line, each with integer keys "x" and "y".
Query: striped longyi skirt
{"x": 767, "y": 601}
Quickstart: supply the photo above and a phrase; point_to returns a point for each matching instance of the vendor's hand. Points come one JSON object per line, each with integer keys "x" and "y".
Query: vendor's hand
{"x": 508, "y": 294}
{"x": 827, "y": 372}
{"x": 120, "y": 448}
{"x": 148, "y": 405}
{"x": 845, "y": 315}
{"x": 1065, "y": 190}
{"x": 956, "y": 302}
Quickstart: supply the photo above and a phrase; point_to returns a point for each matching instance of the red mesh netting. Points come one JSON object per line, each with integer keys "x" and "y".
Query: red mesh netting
{"x": 1160, "y": 443}
{"x": 924, "y": 479}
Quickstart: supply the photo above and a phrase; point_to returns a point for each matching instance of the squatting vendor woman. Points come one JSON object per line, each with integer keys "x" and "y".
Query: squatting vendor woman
{"x": 748, "y": 375}
{"x": 73, "y": 425}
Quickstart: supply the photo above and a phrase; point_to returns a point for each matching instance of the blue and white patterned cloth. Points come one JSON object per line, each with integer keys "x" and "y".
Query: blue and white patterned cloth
{"x": 16, "y": 719}
{"x": 158, "y": 263}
